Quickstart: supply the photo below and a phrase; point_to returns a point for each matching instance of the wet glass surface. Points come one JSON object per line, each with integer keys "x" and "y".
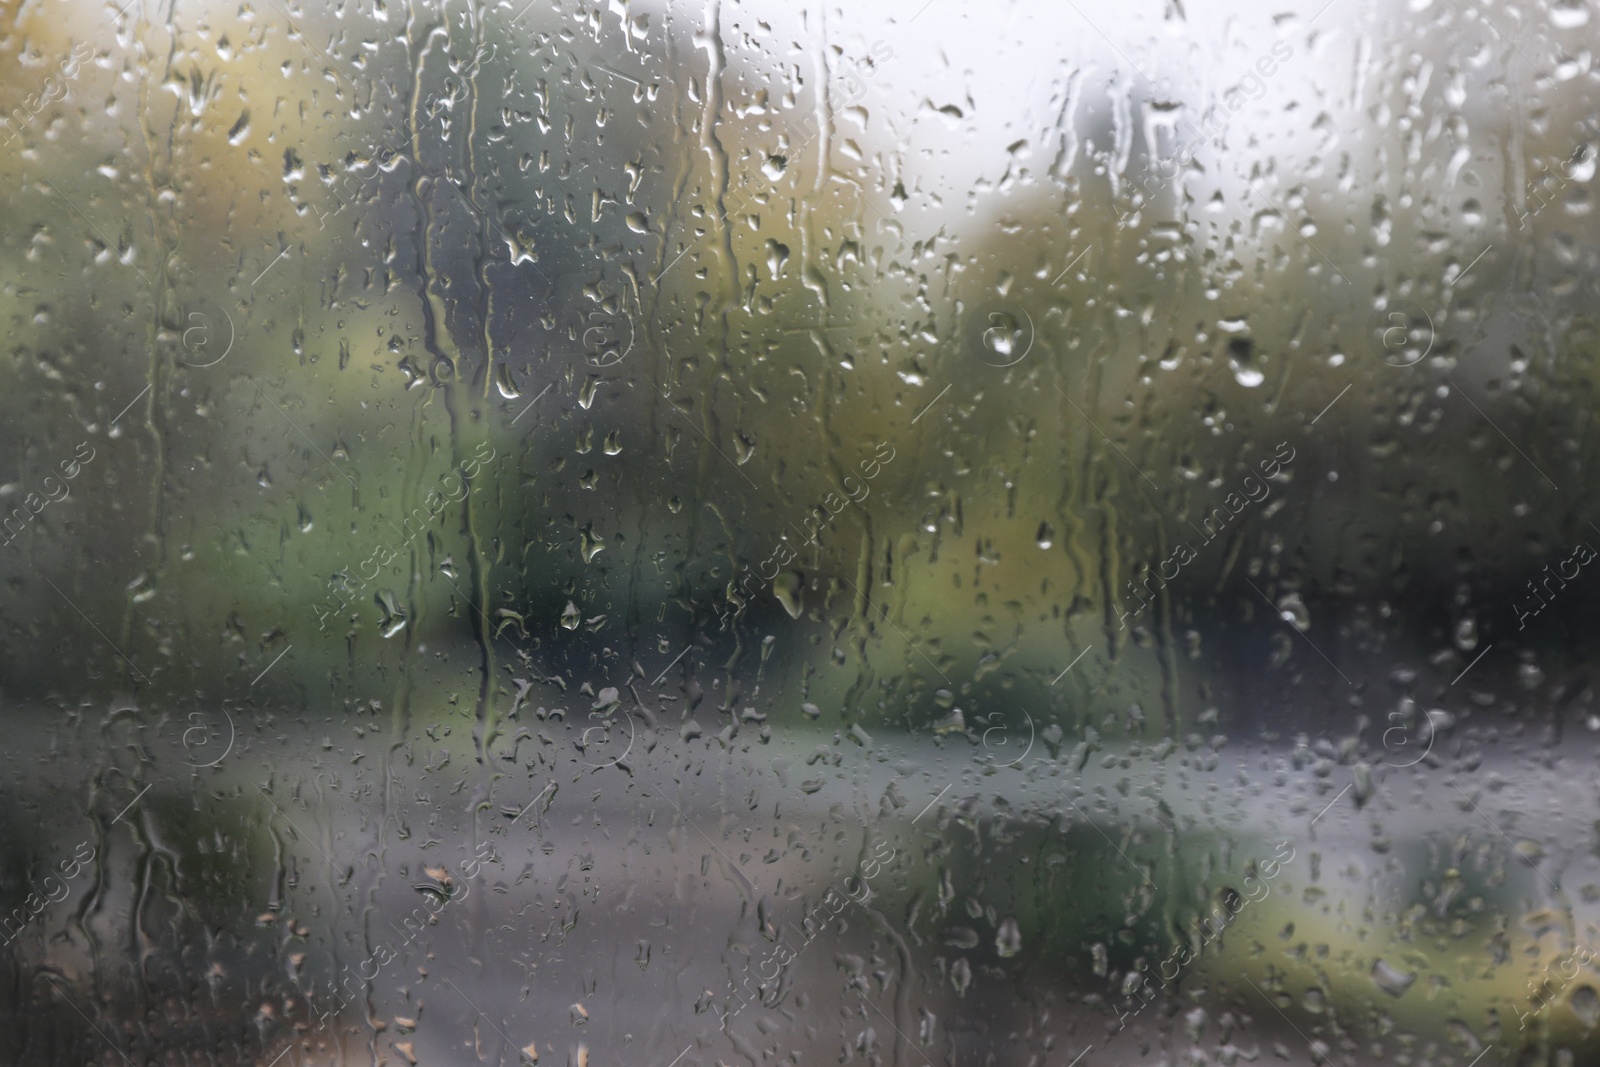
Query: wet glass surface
{"x": 920, "y": 533}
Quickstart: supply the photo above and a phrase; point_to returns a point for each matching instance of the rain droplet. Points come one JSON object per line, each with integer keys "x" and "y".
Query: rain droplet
{"x": 1008, "y": 941}
{"x": 789, "y": 588}
{"x": 1362, "y": 779}
{"x": 777, "y": 257}
{"x": 1529, "y": 675}
{"x": 592, "y": 543}
{"x": 1391, "y": 981}
{"x": 961, "y": 976}
{"x": 1294, "y": 612}
{"x": 394, "y": 616}
{"x": 1582, "y": 166}
{"x": 1245, "y": 359}
{"x": 1531, "y": 852}
{"x": 961, "y": 937}
{"x": 1569, "y": 14}
{"x": 1586, "y": 1006}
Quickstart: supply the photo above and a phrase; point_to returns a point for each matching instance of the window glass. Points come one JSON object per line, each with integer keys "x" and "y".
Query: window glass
{"x": 921, "y": 532}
